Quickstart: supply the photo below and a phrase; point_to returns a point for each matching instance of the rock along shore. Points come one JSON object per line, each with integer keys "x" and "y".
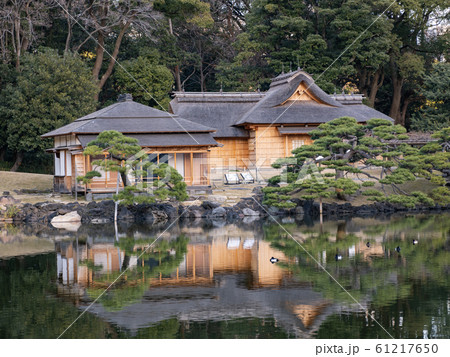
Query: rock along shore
{"x": 247, "y": 208}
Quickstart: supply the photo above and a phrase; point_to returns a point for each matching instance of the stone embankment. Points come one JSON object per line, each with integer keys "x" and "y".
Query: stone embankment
{"x": 247, "y": 208}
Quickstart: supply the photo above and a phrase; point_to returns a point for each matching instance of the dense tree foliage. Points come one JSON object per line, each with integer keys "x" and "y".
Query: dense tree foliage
{"x": 435, "y": 112}
{"x": 149, "y": 81}
{"x": 386, "y": 51}
{"x": 346, "y": 155}
{"x": 372, "y": 44}
{"x": 50, "y": 91}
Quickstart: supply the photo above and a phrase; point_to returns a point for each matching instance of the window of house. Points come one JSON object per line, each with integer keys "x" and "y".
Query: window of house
{"x": 297, "y": 143}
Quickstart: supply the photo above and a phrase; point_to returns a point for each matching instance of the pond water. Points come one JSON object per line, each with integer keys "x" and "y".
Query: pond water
{"x": 216, "y": 280}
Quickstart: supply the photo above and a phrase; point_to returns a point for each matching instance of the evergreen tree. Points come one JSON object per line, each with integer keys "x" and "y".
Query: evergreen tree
{"x": 50, "y": 91}
{"x": 435, "y": 113}
{"x": 119, "y": 153}
{"x": 148, "y": 81}
{"x": 341, "y": 147}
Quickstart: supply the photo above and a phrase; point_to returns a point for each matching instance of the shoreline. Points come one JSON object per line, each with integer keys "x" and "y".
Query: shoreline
{"x": 249, "y": 208}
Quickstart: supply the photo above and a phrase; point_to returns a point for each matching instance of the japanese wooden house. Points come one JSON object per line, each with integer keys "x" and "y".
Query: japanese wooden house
{"x": 207, "y": 134}
{"x": 166, "y": 138}
{"x": 255, "y": 128}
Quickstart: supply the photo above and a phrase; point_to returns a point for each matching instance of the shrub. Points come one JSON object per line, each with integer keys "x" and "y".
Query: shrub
{"x": 11, "y": 211}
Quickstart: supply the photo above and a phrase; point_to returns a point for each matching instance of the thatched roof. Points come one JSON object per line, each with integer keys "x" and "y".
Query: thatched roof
{"x": 129, "y": 117}
{"x": 415, "y": 138}
{"x": 166, "y": 140}
{"x": 275, "y": 106}
{"x": 219, "y": 110}
{"x": 228, "y": 113}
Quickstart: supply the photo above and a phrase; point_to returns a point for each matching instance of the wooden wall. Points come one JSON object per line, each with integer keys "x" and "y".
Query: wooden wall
{"x": 266, "y": 145}
{"x": 233, "y": 153}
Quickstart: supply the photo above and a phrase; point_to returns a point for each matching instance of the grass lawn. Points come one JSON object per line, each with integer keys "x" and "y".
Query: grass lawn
{"x": 10, "y": 181}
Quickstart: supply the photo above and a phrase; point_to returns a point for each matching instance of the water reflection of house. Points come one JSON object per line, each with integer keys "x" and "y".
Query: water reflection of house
{"x": 79, "y": 264}
{"x": 233, "y": 255}
{"x": 225, "y": 274}
{"x": 219, "y": 279}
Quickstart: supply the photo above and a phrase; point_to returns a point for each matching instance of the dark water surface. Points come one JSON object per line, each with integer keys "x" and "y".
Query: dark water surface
{"x": 216, "y": 280}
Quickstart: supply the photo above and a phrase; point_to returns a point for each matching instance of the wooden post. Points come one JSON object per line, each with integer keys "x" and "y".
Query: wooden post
{"x": 208, "y": 180}
{"x": 286, "y": 146}
{"x": 192, "y": 169}
{"x": 106, "y": 175}
{"x": 76, "y": 182}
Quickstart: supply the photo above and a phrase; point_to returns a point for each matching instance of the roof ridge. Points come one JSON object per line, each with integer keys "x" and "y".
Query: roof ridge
{"x": 102, "y": 110}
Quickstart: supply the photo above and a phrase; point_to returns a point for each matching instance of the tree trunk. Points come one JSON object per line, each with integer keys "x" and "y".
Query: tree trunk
{"x": 69, "y": 35}
{"x": 340, "y": 195}
{"x": 18, "y": 46}
{"x": 362, "y": 81}
{"x": 320, "y": 210}
{"x": 397, "y": 85}
{"x": 405, "y": 105}
{"x": 126, "y": 262}
{"x": 170, "y": 26}
{"x": 377, "y": 82}
{"x": 178, "y": 78}
{"x": 113, "y": 59}
{"x": 177, "y": 68}
{"x": 394, "y": 112}
{"x": 2, "y": 154}
{"x": 98, "y": 56}
{"x": 123, "y": 176}
{"x": 116, "y": 203}
{"x": 19, "y": 158}
{"x": 202, "y": 78}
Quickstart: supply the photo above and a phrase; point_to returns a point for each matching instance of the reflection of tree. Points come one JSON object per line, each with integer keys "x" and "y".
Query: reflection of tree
{"x": 406, "y": 317}
{"x": 234, "y": 328}
{"x": 28, "y": 310}
{"x": 164, "y": 329}
{"x": 379, "y": 279}
{"x": 159, "y": 260}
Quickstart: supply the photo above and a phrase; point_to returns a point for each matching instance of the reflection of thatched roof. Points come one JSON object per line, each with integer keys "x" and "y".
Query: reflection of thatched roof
{"x": 415, "y": 138}
{"x": 307, "y": 313}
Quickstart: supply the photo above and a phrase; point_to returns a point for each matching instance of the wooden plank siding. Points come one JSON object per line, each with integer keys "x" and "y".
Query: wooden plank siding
{"x": 233, "y": 153}
{"x": 268, "y": 147}
{"x": 266, "y": 144}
